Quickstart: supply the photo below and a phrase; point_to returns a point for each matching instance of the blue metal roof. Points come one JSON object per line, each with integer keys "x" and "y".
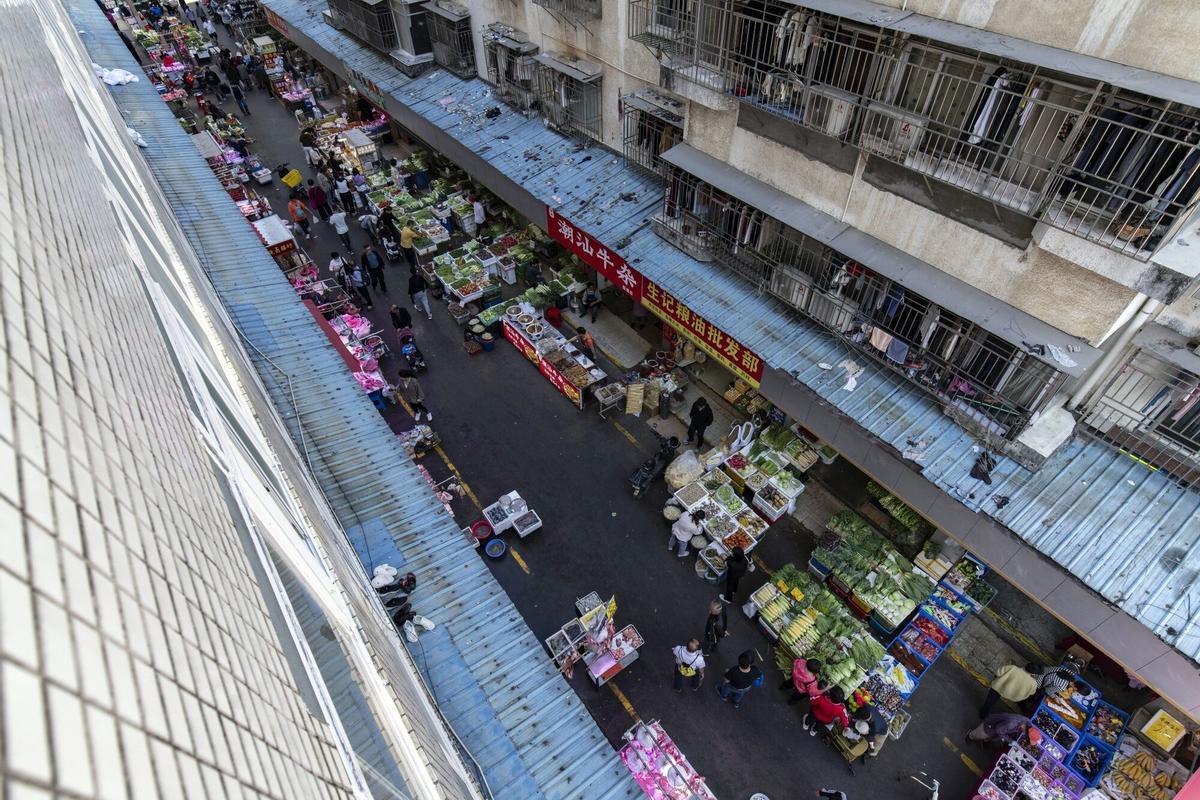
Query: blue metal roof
{"x": 1127, "y": 532}
{"x": 490, "y": 675}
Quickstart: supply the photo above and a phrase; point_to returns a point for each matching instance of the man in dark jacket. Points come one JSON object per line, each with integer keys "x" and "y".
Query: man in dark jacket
{"x": 701, "y": 417}
{"x": 736, "y": 566}
{"x": 372, "y": 262}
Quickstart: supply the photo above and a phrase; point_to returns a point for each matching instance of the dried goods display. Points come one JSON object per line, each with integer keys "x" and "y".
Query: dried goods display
{"x": 691, "y": 494}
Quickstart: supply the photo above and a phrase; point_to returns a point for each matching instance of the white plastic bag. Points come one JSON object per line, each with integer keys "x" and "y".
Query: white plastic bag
{"x": 683, "y": 470}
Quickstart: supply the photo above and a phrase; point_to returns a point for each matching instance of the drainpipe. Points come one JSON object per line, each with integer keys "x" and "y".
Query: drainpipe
{"x": 1149, "y": 310}
{"x": 1125, "y": 316}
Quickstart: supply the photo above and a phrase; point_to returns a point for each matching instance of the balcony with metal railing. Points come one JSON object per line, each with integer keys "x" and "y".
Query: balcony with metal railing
{"x": 450, "y": 36}
{"x": 652, "y": 124}
{"x": 1086, "y": 156}
{"x": 573, "y": 12}
{"x": 568, "y": 93}
{"x": 992, "y": 385}
{"x": 508, "y": 56}
{"x": 1150, "y": 406}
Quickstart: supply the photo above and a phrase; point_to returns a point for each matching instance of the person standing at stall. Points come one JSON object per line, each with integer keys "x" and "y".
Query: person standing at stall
{"x": 700, "y": 417}
{"x": 1005, "y": 728}
{"x": 1011, "y": 683}
{"x": 868, "y": 724}
{"x": 418, "y": 291}
{"x": 689, "y": 665}
{"x": 589, "y": 302}
{"x": 687, "y": 526}
{"x": 716, "y": 627}
{"x": 480, "y": 214}
{"x": 411, "y": 390}
{"x": 407, "y": 243}
{"x": 804, "y": 682}
{"x": 587, "y": 345}
{"x": 828, "y": 709}
{"x": 337, "y": 268}
{"x": 736, "y": 567}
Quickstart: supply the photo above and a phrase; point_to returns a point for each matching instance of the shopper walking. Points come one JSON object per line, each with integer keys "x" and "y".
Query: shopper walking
{"x": 700, "y": 417}
{"x": 827, "y": 710}
{"x": 686, "y": 527}
{"x": 481, "y": 215}
{"x": 345, "y": 194}
{"x": 736, "y": 566}
{"x": 689, "y": 665}
{"x": 716, "y": 627}
{"x": 240, "y": 98}
{"x": 210, "y": 28}
{"x": 739, "y": 680}
{"x": 358, "y": 281}
{"x": 408, "y": 239}
{"x": 1005, "y": 728}
{"x": 1012, "y": 683}
{"x": 300, "y": 213}
{"x": 318, "y": 200}
{"x": 338, "y": 221}
{"x": 372, "y": 262}
{"x": 418, "y": 291}
{"x": 804, "y": 681}
{"x": 411, "y": 390}
{"x": 337, "y": 268}
{"x": 401, "y": 319}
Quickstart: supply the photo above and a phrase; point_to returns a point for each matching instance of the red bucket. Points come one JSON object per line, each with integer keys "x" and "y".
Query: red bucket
{"x": 482, "y": 530}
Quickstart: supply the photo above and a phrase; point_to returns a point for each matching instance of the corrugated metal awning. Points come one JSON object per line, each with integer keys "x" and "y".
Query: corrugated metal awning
{"x": 998, "y": 318}
{"x": 568, "y": 68}
{"x": 1010, "y": 48}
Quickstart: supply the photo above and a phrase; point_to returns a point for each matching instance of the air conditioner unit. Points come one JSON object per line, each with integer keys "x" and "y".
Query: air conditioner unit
{"x": 830, "y": 109}
{"x": 791, "y": 286}
{"x": 892, "y": 133}
{"x": 412, "y": 30}
{"x": 333, "y": 20}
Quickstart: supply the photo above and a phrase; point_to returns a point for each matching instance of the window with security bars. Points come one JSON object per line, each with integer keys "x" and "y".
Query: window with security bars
{"x": 1112, "y": 166}
{"x": 574, "y": 12}
{"x": 987, "y": 379}
{"x": 569, "y": 103}
{"x": 648, "y": 132}
{"x": 370, "y": 21}
{"x": 1150, "y": 408}
{"x": 450, "y": 35}
{"x": 508, "y": 56}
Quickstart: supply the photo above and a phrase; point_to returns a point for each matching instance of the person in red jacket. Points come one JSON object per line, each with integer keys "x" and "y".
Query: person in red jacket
{"x": 827, "y": 709}
{"x": 317, "y": 200}
{"x": 804, "y": 682}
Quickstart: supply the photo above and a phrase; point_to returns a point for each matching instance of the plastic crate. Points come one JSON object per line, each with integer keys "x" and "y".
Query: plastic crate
{"x": 1116, "y": 712}
{"x": 1106, "y": 757}
{"x": 819, "y": 568}
{"x": 884, "y": 626}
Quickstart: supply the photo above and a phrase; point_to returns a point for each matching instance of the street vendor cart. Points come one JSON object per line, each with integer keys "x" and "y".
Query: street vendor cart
{"x": 592, "y": 638}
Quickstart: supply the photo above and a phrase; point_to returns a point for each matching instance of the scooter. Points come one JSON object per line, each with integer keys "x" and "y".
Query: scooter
{"x": 412, "y": 354}
{"x": 654, "y": 466}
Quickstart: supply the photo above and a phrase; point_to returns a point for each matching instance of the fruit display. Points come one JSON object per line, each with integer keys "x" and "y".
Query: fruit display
{"x": 920, "y": 645}
{"x": 934, "y": 632}
{"x": 737, "y": 539}
{"x": 1106, "y": 724}
{"x": 1135, "y": 774}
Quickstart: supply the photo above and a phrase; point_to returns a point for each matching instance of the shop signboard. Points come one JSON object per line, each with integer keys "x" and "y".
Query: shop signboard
{"x": 569, "y": 390}
{"x": 276, "y": 22}
{"x": 594, "y": 253}
{"x": 364, "y": 85}
{"x": 520, "y": 342}
{"x": 731, "y": 353}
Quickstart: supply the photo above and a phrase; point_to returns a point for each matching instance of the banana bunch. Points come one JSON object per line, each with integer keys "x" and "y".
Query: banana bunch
{"x": 1136, "y": 777}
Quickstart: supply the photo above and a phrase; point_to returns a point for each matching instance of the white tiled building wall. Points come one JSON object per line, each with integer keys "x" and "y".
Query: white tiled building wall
{"x": 137, "y": 658}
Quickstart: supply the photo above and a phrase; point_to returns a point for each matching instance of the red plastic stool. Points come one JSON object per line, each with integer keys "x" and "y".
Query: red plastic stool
{"x": 553, "y": 316}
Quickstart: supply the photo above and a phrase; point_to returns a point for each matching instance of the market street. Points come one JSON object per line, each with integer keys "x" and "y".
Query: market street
{"x": 505, "y": 427}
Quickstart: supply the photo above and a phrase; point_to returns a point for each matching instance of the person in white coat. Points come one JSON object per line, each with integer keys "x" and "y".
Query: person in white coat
{"x": 687, "y": 526}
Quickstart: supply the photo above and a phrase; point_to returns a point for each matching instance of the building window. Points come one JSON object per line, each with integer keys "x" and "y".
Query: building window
{"x": 451, "y": 38}
{"x": 508, "y": 54}
{"x": 652, "y": 124}
{"x": 573, "y": 12}
{"x": 1150, "y": 408}
{"x": 568, "y": 91}
{"x": 992, "y": 382}
{"x": 1106, "y": 164}
{"x": 372, "y": 22}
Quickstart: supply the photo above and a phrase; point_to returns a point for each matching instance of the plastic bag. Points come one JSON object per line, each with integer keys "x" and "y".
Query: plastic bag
{"x": 683, "y": 470}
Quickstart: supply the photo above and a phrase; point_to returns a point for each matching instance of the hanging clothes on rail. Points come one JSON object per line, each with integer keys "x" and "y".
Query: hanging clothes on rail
{"x": 1106, "y": 144}
{"x": 995, "y": 108}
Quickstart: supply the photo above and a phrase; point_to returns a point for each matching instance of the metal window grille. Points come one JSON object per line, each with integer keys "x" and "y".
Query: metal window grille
{"x": 1150, "y": 408}
{"x": 574, "y": 12}
{"x": 1106, "y": 164}
{"x": 508, "y": 55}
{"x": 569, "y": 96}
{"x": 648, "y": 132}
{"x": 368, "y": 20}
{"x": 991, "y": 381}
{"x": 450, "y": 34}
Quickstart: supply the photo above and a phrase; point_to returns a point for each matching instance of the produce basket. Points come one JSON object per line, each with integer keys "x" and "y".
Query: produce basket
{"x": 713, "y": 557}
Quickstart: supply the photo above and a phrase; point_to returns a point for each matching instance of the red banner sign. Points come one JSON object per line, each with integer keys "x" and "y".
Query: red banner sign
{"x": 519, "y": 341}
{"x": 276, "y": 22}
{"x": 593, "y": 253}
{"x": 735, "y": 356}
{"x": 569, "y": 390}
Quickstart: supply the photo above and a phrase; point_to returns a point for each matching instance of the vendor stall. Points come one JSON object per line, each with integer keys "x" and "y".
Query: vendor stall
{"x": 559, "y": 361}
{"x": 511, "y": 512}
{"x": 593, "y": 639}
{"x": 659, "y": 767}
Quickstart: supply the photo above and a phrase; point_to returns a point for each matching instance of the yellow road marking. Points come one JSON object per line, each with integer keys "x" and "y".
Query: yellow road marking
{"x": 974, "y": 673}
{"x": 461, "y": 481}
{"x": 520, "y": 561}
{"x": 966, "y": 759}
{"x": 759, "y": 562}
{"x": 625, "y": 433}
{"x": 624, "y": 701}
{"x": 1020, "y": 636}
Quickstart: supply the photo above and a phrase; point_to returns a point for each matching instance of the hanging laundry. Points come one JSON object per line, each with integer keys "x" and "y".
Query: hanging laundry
{"x": 853, "y": 370}
{"x": 898, "y": 351}
{"x": 991, "y": 104}
{"x": 880, "y": 339}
